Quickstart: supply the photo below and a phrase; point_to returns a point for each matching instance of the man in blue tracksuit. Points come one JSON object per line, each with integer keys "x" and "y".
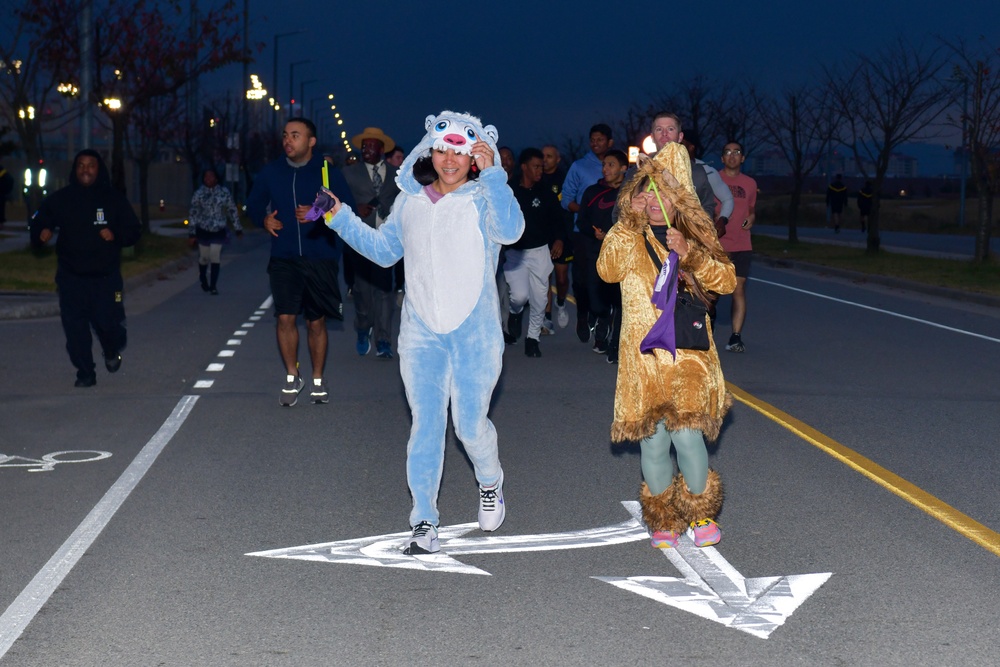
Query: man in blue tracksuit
{"x": 304, "y": 254}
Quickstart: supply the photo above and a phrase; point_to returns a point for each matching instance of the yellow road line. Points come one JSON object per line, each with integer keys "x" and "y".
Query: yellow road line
{"x": 909, "y": 492}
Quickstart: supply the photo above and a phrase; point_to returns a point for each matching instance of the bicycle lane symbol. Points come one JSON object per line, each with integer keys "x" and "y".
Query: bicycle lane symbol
{"x": 49, "y": 461}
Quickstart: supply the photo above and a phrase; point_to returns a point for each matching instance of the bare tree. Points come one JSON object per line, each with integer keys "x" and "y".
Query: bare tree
{"x": 27, "y": 86}
{"x": 800, "y": 124}
{"x": 886, "y": 100}
{"x": 144, "y": 54}
{"x": 978, "y": 69}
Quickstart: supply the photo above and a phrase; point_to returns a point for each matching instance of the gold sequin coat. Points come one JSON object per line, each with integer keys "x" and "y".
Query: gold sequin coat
{"x": 688, "y": 392}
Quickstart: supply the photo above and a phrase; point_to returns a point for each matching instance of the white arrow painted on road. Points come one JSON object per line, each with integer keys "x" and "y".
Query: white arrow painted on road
{"x": 715, "y": 590}
{"x": 710, "y": 588}
{"x": 387, "y": 550}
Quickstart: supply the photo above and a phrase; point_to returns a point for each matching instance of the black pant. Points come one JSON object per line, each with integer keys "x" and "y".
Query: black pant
{"x": 91, "y": 301}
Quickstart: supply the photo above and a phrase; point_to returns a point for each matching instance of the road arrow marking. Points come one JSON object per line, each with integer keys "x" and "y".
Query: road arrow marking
{"x": 713, "y": 589}
{"x": 387, "y": 550}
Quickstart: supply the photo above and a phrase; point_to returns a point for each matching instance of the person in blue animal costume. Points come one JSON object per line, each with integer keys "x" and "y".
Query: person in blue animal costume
{"x": 453, "y": 213}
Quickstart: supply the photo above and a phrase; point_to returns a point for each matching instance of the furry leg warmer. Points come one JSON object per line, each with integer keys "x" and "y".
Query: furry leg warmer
{"x": 697, "y": 506}
{"x": 659, "y": 512}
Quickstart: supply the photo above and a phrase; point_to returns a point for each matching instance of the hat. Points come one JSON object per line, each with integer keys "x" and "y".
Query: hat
{"x": 373, "y": 133}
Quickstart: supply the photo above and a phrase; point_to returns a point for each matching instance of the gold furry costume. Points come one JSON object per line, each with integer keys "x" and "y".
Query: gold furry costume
{"x": 687, "y": 392}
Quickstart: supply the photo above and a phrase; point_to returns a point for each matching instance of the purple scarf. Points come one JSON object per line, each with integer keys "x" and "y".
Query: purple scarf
{"x": 661, "y": 335}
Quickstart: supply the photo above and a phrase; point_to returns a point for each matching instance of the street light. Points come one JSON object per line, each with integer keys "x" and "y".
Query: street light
{"x": 274, "y": 79}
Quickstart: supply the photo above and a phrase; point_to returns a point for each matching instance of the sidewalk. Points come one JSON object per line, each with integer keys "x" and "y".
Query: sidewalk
{"x": 24, "y": 305}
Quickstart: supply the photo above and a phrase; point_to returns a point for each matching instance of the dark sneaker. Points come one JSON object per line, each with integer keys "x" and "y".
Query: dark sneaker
{"x": 514, "y": 326}
{"x": 290, "y": 392}
{"x": 383, "y": 350}
{"x": 735, "y": 343}
{"x": 88, "y": 381}
{"x": 423, "y": 541}
{"x": 583, "y": 331}
{"x": 612, "y": 355}
{"x": 113, "y": 363}
{"x": 531, "y": 348}
{"x": 491, "y": 508}
{"x": 319, "y": 393}
{"x": 364, "y": 344}
{"x": 600, "y": 347}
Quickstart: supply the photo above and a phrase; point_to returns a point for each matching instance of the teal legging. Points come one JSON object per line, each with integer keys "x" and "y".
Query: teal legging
{"x": 692, "y": 459}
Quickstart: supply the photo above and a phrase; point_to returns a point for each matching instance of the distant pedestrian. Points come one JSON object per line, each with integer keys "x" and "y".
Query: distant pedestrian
{"x": 553, "y": 176}
{"x": 736, "y": 242}
{"x": 95, "y": 221}
{"x": 595, "y": 221}
{"x": 836, "y": 201}
{"x": 865, "y": 195}
{"x": 395, "y": 156}
{"x": 582, "y": 174}
{"x": 373, "y": 184}
{"x": 669, "y": 394}
{"x": 528, "y": 261}
{"x": 453, "y": 214}
{"x": 304, "y": 253}
{"x": 212, "y": 207}
{"x": 507, "y": 161}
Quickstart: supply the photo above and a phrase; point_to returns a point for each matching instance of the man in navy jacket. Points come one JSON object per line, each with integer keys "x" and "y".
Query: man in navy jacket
{"x": 304, "y": 254}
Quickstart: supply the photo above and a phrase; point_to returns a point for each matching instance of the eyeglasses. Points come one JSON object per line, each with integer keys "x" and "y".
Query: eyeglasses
{"x": 732, "y": 151}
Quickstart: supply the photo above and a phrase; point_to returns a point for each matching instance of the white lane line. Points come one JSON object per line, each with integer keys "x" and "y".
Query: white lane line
{"x": 204, "y": 384}
{"x": 234, "y": 341}
{"x": 241, "y": 332}
{"x": 215, "y": 368}
{"x": 226, "y": 353}
{"x": 879, "y": 310}
{"x": 27, "y": 605}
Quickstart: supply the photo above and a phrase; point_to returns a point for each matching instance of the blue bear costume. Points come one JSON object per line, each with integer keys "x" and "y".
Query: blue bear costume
{"x": 450, "y": 342}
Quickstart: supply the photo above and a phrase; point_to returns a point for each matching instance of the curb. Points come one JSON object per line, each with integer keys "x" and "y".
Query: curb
{"x": 886, "y": 281}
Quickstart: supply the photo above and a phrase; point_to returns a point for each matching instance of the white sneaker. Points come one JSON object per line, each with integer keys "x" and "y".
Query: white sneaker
{"x": 562, "y": 316}
{"x": 491, "y": 508}
{"x": 423, "y": 541}
{"x": 548, "y": 328}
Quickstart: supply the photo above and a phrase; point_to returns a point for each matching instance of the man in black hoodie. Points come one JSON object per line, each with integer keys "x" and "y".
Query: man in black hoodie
{"x": 95, "y": 222}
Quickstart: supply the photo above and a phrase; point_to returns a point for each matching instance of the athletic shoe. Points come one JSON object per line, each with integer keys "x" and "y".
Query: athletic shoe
{"x": 113, "y": 363}
{"x": 383, "y": 350}
{"x": 88, "y": 381}
{"x": 562, "y": 316}
{"x": 612, "y": 355}
{"x": 319, "y": 393}
{"x": 583, "y": 330}
{"x": 514, "y": 326}
{"x": 531, "y": 348}
{"x": 706, "y": 533}
{"x": 735, "y": 343}
{"x": 665, "y": 539}
{"x": 547, "y": 327}
{"x": 290, "y": 393}
{"x": 600, "y": 347}
{"x": 364, "y": 345}
{"x": 423, "y": 541}
{"x": 491, "y": 507}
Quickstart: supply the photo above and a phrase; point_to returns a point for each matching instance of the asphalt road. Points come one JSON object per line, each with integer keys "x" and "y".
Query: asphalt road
{"x": 904, "y": 384}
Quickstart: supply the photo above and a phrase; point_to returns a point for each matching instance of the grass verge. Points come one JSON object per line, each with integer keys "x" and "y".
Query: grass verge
{"x": 955, "y": 274}
{"x": 35, "y": 270}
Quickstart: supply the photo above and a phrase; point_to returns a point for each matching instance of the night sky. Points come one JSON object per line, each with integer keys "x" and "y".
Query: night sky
{"x": 546, "y": 70}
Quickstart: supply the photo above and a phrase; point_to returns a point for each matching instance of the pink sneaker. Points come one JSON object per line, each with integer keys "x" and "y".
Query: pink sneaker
{"x": 706, "y": 533}
{"x": 665, "y": 539}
